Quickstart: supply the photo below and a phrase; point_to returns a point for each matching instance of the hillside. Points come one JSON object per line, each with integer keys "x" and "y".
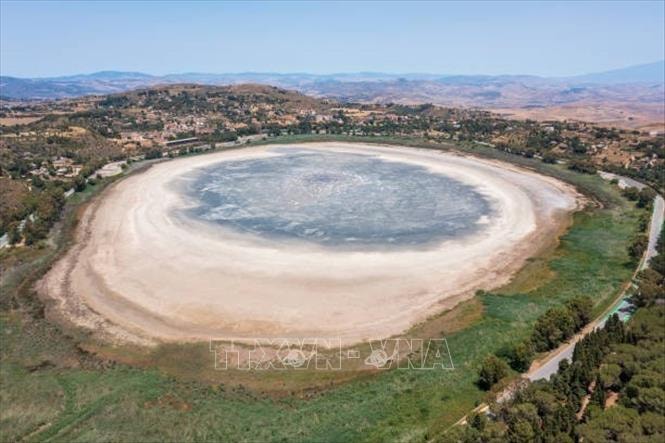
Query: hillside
{"x": 653, "y": 73}
{"x": 631, "y": 97}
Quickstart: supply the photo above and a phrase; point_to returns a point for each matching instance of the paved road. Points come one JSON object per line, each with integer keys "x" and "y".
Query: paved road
{"x": 552, "y": 365}
{"x": 566, "y": 352}
{"x": 655, "y": 228}
{"x": 624, "y": 182}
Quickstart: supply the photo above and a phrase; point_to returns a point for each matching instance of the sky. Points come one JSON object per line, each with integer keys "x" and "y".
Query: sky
{"x": 42, "y": 39}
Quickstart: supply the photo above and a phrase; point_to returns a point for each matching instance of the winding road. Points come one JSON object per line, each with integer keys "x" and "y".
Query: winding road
{"x": 550, "y": 365}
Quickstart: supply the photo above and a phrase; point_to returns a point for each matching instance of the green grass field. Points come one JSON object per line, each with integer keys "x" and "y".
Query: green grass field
{"x": 52, "y": 389}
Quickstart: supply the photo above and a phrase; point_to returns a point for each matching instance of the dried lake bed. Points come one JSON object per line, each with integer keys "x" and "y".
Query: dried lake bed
{"x": 332, "y": 240}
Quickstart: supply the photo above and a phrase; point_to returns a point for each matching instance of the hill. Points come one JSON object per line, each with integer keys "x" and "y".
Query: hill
{"x": 653, "y": 73}
{"x": 105, "y": 82}
{"x": 631, "y": 97}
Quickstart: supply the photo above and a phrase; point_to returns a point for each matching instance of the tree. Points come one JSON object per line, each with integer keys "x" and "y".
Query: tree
{"x": 616, "y": 332}
{"x": 552, "y": 328}
{"x": 585, "y": 167}
{"x": 492, "y": 370}
{"x": 523, "y": 421}
{"x": 651, "y": 287}
{"x": 14, "y": 233}
{"x": 521, "y": 432}
{"x": 613, "y": 424}
{"x": 610, "y": 377}
{"x": 637, "y": 248}
{"x": 631, "y": 193}
{"x": 577, "y": 146}
{"x": 652, "y": 424}
{"x": 598, "y": 395}
{"x": 37, "y": 182}
{"x": 580, "y": 308}
{"x": 153, "y": 154}
{"x": 651, "y": 399}
{"x": 657, "y": 263}
{"x": 521, "y": 356}
{"x": 79, "y": 183}
{"x": 478, "y": 421}
{"x": 34, "y": 230}
{"x": 645, "y": 198}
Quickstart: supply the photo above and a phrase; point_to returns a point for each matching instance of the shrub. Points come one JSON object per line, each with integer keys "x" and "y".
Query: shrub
{"x": 631, "y": 193}
{"x": 584, "y": 167}
{"x": 79, "y": 183}
{"x": 645, "y": 198}
{"x": 492, "y": 370}
{"x": 637, "y": 248}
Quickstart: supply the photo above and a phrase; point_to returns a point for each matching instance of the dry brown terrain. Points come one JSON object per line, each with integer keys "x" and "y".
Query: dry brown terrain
{"x": 643, "y": 117}
{"x": 13, "y": 121}
{"x": 628, "y": 106}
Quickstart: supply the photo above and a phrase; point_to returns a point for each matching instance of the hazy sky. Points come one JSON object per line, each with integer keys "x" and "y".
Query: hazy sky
{"x": 56, "y": 38}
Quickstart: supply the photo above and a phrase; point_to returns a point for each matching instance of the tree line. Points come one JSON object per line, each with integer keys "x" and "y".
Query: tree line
{"x": 554, "y": 327}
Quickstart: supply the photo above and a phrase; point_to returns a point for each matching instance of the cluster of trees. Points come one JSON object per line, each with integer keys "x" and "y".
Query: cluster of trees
{"x": 558, "y": 324}
{"x": 643, "y": 198}
{"x": 577, "y": 146}
{"x": 543, "y": 140}
{"x": 36, "y": 211}
{"x": 657, "y": 263}
{"x": 153, "y": 154}
{"x": 651, "y": 281}
{"x": 220, "y": 135}
{"x": 25, "y": 187}
{"x": 492, "y": 370}
{"x": 583, "y": 166}
{"x": 650, "y": 287}
{"x": 44, "y": 210}
{"x": 637, "y": 247}
{"x": 612, "y": 390}
{"x": 551, "y": 329}
{"x": 13, "y": 202}
{"x": 181, "y": 151}
{"x": 183, "y": 134}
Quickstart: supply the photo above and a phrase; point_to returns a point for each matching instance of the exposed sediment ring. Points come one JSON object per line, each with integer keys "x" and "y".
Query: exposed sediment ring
{"x": 142, "y": 271}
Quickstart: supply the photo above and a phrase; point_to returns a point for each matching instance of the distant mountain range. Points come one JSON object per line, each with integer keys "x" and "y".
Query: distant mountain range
{"x": 107, "y": 82}
{"x": 647, "y": 73}
{"x": 632, "y": 97}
